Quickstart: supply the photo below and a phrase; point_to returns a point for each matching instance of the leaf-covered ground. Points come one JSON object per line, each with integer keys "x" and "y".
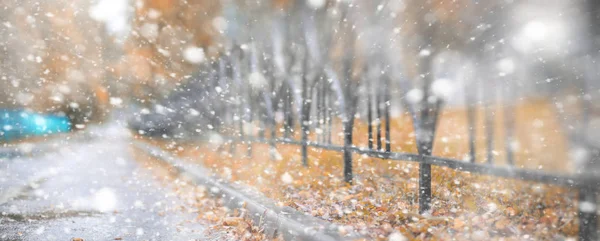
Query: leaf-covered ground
{"x": 222, "y": 222}
{"x": 383, "y": 201}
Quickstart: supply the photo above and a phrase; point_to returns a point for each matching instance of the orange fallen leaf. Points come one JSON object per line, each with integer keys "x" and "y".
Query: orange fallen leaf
{"x": 232, "y": 221}
{"x": 458, "y": 223}
{"x": 511, "y": 211}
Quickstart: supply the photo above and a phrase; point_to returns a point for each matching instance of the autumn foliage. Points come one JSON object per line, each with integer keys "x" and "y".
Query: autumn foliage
{"x": 52, "y": 59}
{"x": 170, "y": 39}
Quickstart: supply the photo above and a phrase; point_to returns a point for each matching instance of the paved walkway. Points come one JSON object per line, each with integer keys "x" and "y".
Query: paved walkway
{"x": 89, "y": 189}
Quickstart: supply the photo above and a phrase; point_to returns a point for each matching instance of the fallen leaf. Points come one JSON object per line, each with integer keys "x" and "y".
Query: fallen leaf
{"x": 502, "y": 223}
{"x": 458, "y": 223}
{"x": 232, "y": 221}
{"x": 511, "y": 211}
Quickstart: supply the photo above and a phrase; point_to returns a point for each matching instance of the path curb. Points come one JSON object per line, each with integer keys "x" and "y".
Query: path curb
{"x": 290, "y": 223}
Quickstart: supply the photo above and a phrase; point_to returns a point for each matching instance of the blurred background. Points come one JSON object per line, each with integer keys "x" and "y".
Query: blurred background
{"x": 157, "y": 61}
{"x": 80, "y": 59}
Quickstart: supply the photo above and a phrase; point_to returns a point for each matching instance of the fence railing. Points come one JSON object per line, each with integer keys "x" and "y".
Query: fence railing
{"x": 267, "y": 114}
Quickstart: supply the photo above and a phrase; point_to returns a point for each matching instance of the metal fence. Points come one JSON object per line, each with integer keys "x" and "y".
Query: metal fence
{"x": 272, "y": 114}
{"x": 293, "y": 87}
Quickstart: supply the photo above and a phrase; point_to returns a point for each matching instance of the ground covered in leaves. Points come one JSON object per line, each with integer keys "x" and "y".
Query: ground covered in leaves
{"x": 222, "y": 223}
{"x": 382, "y": 203}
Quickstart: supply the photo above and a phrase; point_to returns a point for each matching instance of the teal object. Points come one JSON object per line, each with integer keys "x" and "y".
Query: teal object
{"x": 17, "y": 124}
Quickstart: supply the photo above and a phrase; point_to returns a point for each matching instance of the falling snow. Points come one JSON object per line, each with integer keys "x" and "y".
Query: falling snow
{"x": 388, "y": 120}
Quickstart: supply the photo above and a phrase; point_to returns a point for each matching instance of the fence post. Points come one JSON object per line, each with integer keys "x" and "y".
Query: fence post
{"x": 489, "y": 129}
{"x": 329, "y": 119}
{"x": 369, "y": 116}
{"x": 588, "y": 219}
{"x": 424, "y": 177}
{"x": 348, "y": 125}
{"x": 425, "y": 137}
{"x": 378, "y": 114}
{"x": 304, "y": 142}
{"x": 288, "y": 122}
{"x": 305, "y": 118}
{"x": 424, "y": 187}
{"x": 509, "y": 123}
{"x": 471, "y": 115}
{"x": 272, "y": 138}
{"x": 348, "y": 122}
{"x": 387, "y": 102}
{"x": 425, "y": 129}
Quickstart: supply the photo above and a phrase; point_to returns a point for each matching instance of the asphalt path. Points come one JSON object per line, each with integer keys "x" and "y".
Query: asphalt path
{"x": 89, "y": 189}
